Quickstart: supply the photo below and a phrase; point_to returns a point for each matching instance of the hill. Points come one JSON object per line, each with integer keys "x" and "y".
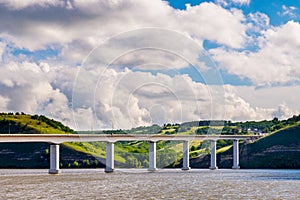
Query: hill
{"x": 11, "y": 123}
{"x": 73, "y": 154}
{"x": 134, "y": 154}
{"x": 279, "y": 150}
{"x": 36, "y": 155}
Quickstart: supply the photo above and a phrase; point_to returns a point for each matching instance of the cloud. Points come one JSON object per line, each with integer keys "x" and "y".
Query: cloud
{"x": 28, "y": 87}
{"x": 141, "y": 79}
{"x": 241, "y": 2}
{"x": 221, "y": 2}
{"x": 271, "y": 97}
{"x": 258, "y": 21}
{"x": 238, "y": 109}
{"x": 288, "y": 11}
{"x": 18, "y": 5}
{"x": 124, "y": 93}
{"x": 90, "y": 22}
{"x": 228, "y": 2}
{"x": 203, "y": 20}
{"x": 85, "y": 117}
{"x": 3, "y": 103}
{"x": 2, "y": 47}
{"x": 127, "y": 98}
{"x": 283, "y": 112}
{"x": 248, "y": 103}
{"x": 276, "y": 61}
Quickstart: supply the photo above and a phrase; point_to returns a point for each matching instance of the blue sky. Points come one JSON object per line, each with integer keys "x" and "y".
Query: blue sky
{"x": 36, "y": 55}
{"x": 48, "y": 47}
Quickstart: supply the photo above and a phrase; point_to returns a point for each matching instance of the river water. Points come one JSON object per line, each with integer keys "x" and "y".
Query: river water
{"x": 140, "y": 184}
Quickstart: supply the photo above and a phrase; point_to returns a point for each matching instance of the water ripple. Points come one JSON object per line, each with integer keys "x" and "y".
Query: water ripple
{"x": 140, "y": 184}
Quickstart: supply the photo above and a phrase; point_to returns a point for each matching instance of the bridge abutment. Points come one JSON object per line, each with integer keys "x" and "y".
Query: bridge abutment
{"x": 213, "y": 155}
{"x": 110, "y": 148}
{"x": 54, "y": 159}
{"x": 152, "y": 156}
{"x": 186, "y": 158}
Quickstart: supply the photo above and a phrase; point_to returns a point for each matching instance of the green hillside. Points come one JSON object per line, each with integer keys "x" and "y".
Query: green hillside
{"x": 32, "y": 155}
{"x": 11, "y": 123}
{"x": 74, "y": 154}
{"x": 36, "y": 155}
{"x": 278, "y": 150}
{"x": 281, "y": 138}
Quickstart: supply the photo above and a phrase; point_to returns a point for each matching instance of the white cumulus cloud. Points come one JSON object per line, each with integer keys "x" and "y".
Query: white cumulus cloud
{"x": 141, "y": 79}
{"x": 288, "y": 11}
{"x": 17, "y": 5}
{"x": 276, "y": 62}
{"x": 241, "y": 2}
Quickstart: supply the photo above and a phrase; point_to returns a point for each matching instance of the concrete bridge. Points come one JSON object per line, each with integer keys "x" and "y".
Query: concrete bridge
{"x": 55, "y": 139}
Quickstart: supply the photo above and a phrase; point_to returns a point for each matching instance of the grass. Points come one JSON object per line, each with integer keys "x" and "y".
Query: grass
{"x": 33, "y": 124}
{"x": 96, "y": 149}
{"x": 286, "y": 137}
{"x": 224, "y": 149}
{"x": 289, "y": 135}
{"x": 278, "y": 150}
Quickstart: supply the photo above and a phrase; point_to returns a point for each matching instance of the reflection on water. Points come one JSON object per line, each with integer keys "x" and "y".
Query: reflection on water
{"x": 140, "y": 184}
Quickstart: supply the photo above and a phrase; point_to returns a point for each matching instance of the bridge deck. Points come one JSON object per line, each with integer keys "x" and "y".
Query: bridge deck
{"x": 60, "y": 138}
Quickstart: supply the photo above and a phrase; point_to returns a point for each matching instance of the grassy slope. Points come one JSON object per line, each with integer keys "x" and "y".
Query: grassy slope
{"x": 286, "y": 137}
{"x": 16, "y": 154}
{"x": 96, "y": 149}
{"x": 278, "y": 150}
{"x": 32, "y": 125}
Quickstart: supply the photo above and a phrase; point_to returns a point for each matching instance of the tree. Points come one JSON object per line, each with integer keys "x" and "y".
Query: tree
{"x": 275, "y": 120}
{"x": 193, "y": 148}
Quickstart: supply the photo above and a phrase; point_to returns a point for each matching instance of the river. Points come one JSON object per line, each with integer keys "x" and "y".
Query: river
{"x": 140, "y": 184}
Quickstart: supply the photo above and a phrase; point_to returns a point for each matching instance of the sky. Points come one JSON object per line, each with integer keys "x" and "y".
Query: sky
{"x": 127, "y": 63}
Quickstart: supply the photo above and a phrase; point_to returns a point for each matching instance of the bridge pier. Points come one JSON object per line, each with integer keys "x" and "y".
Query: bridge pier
{"x": 213, "y": 155}
{"x": 152, "y": 156}
{"x": 186, "y": 158}
{"x": 110, "y": 157}
{"x": 236, "y": 154}
{"x": 54, "y": 159}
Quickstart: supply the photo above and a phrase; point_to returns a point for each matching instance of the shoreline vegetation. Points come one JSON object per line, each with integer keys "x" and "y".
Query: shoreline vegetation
{"x": 278, "y": 149}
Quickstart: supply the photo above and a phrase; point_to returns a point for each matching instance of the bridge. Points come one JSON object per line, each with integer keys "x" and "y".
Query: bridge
{"x": 56, "y": 139}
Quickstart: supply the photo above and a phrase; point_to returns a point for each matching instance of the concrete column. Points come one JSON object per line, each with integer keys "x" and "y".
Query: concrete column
{"x": 152, "y": 156}
{"x": 110, "y": 157}
{"x": 186, "y": 158}
{"x": 54, "y": 159}
{"x": 236, "y": 154}
{"x": 213, "y": 155}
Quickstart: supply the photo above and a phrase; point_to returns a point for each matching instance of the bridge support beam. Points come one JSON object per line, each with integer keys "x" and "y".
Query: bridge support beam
{"x": 236, "y": 154}
{"x": 213, "y": 155}
{"x": 186, "y": 158}
{"x": 110, "y": 148}
{"x": 54, "y": 159}
{"x": 152, "y": 156}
